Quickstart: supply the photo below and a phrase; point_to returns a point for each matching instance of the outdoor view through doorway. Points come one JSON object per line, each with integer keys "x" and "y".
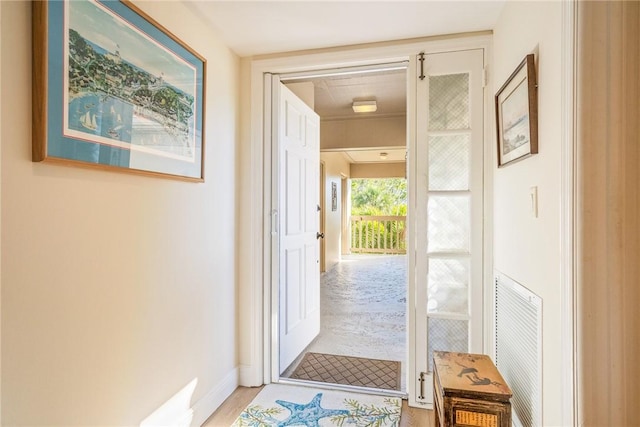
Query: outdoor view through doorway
{"x": 362, "y": 340}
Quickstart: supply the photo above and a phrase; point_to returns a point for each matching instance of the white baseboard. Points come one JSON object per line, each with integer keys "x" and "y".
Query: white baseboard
{"x": 203, "y": 408}
{"x": 176, "y": 412}
{"x": 250, "y": 376}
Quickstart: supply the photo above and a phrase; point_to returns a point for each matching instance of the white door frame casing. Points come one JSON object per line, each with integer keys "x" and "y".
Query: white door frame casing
{"x": 255, "y": 286}
{"x": 254, "y": 281}
{"x": 568, "y": 214}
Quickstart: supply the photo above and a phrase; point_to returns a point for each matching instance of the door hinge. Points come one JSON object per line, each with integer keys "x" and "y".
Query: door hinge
{"x": 274, "y": 222}
{"x": 484, "y": 77}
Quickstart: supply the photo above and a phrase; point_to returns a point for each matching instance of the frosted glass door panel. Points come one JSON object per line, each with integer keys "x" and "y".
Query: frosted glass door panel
{"x": 447, "y": 335}
{"x": 449, "y": 222}
{"x": 448, "y": 290}
{"x": 449, "y": 162}
{"x": 449, "y": 102}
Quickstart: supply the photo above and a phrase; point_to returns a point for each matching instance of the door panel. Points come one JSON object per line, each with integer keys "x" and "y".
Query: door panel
{"x": 292, "y": 293}
{"x": 449, "y": 206}
{"x": 293, "y": 178}
{"x": 299, "y": 280}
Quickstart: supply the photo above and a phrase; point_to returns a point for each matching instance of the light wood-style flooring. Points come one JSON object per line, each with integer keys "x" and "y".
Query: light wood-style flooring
{"x": 240, "y": 398}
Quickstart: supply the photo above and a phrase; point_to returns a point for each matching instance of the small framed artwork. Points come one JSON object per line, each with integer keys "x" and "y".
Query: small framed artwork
{"x": 113, "y": 89}
{"x": 517, "y": 114}
{"x": 334, "y": 196}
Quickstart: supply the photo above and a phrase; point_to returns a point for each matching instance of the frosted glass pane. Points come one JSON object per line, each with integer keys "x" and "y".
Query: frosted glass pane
{"x": 447, "y": 335}
{"x": 449, "y": 162}
{"x": 449, "y": 102}
{"x": 448, "y": 289}
{"x": 449, "y": 223}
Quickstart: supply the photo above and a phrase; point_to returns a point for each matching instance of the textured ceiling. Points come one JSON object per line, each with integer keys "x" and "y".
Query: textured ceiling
{"x": 335, "y": 95}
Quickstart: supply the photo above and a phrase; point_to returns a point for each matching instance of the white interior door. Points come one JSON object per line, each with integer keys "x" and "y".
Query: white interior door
{"x": 298, "y": 139}
{"x": 449, "y": 206}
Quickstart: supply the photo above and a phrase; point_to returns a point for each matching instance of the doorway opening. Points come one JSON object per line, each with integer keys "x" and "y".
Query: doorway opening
{"x": 363, "y": 291}
{"x": 445, "y": 140}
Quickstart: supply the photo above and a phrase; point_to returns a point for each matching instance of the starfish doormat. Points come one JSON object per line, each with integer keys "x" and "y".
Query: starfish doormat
{"x": 279, "y": 405}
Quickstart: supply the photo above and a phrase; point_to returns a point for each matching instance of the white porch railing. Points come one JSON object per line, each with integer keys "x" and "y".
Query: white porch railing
{"x": 378, "y": 234}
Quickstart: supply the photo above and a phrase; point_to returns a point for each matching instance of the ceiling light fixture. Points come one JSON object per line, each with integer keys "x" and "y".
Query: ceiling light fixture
{"x": 364, "y": 106}
{"x": 383, "y": 156}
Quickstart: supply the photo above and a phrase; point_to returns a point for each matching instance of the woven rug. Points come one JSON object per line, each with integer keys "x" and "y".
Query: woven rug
{"x": 348, "y": 370}
{"x": 279, "y": 405}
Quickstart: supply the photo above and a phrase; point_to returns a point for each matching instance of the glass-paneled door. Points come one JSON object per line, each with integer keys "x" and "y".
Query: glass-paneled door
{"x": 449, "y": 206}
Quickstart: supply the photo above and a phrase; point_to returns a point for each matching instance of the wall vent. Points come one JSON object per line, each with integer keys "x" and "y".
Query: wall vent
{"x": 518, "y": 348}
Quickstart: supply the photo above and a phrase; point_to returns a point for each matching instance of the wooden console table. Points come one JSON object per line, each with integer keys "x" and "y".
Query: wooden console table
{"x": 468, "y": 390}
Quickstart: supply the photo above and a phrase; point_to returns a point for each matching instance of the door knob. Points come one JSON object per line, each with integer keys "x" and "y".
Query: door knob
{"x": 319, "y": 235}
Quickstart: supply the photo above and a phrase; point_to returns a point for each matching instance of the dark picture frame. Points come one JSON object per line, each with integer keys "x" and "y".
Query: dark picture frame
{"x": 113, "y": 89}
{"x": 517, "y": 114}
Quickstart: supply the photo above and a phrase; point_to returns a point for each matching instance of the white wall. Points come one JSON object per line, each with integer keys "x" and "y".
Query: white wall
{"x": 379, "y": 170}
{"x": 117, "y": 290}
{"x": 526, "y": 248}
{"x": 364, "y": 133}
{"x": 251, "y": 218}
{"x": 336, "y": 166}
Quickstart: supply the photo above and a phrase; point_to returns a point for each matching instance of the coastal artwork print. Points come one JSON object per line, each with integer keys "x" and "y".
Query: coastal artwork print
{"x": 516, "y": 114}
{"x": 122, "y": 92}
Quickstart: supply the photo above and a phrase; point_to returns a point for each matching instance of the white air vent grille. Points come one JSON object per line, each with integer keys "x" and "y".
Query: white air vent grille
{"x": 519, "y": 348}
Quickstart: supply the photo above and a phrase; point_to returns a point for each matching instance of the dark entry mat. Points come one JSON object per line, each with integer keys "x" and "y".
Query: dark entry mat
{"x": 348, "y": 370}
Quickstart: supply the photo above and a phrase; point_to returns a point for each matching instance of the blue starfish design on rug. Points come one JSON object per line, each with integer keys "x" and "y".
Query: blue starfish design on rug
{"x": 307, "y": 414}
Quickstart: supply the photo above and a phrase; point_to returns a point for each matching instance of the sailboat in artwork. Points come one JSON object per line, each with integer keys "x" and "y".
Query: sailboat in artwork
{"x": 89, "y": 121}
{"x": 113, "y": 132}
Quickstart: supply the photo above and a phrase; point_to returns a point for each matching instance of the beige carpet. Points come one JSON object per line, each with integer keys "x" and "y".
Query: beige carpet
{"x": 347, "y": 370}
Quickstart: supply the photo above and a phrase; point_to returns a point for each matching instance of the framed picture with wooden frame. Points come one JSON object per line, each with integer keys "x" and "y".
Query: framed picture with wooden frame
{"x": 517, "y": 114}
{"x": 114, "y": 89}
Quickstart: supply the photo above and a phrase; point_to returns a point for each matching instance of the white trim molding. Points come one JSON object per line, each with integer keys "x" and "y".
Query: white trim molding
{"x": 207, "y": 405}
{"x": 178, "y": 411}
{"x": 568, "y": 213}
